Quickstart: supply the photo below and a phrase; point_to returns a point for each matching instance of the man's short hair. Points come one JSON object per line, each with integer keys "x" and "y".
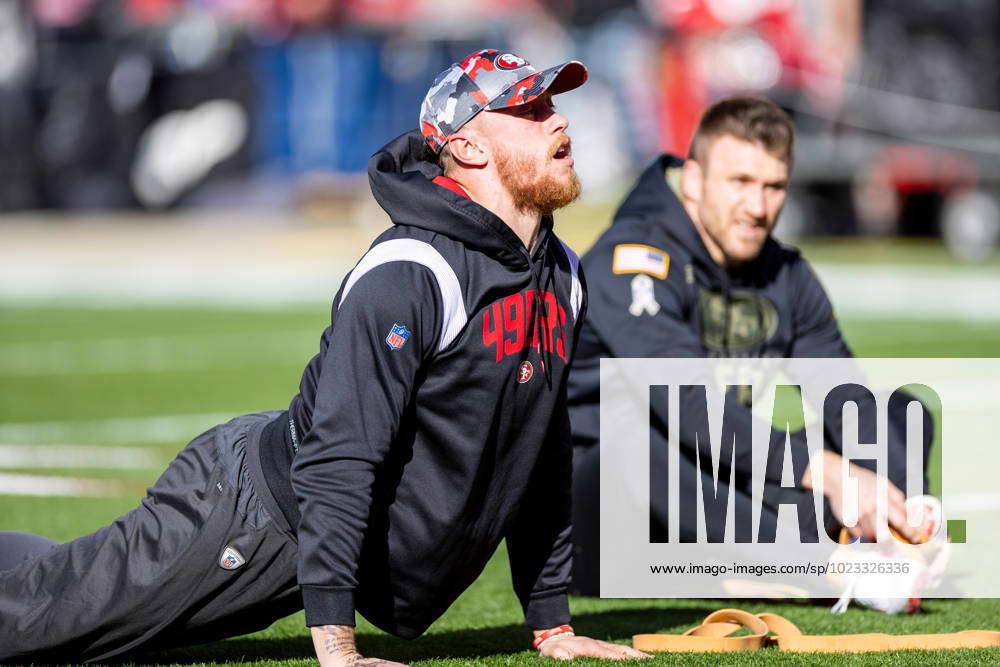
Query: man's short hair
{"x": 442, "y": 159}
{"x": 750, "y": 119}
{"x": 445, "y": 159}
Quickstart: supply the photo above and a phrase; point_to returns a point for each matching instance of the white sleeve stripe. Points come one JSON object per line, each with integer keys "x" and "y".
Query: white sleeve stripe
{"x": 411, "y": 250}
{"x": 576, "y": 291}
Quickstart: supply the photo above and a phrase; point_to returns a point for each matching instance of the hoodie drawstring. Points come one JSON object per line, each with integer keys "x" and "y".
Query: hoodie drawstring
{"x": 545, "y": 351}
{"x": 549, "y": 280}
{"x": 727, "y": 301}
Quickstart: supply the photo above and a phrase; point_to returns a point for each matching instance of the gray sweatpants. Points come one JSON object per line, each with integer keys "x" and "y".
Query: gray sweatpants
{"x": 165, "y": 574}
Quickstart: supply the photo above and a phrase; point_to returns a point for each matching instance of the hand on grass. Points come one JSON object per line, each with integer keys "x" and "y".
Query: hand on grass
{"x": 567, "y": 648}
{"x": 335, "y": 647}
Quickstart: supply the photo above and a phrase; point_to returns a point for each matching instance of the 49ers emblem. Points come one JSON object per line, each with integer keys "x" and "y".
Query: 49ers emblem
{"x": 510, "y": 61}
{"x": 525, "y": 372}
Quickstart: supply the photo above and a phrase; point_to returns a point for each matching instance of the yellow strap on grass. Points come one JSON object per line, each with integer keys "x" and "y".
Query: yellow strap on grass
{"x": 712, "y": 635}
{"x": 789, "y": 638}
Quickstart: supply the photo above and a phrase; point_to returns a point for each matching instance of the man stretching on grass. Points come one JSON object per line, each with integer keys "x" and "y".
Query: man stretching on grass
{"x": 689, "y": 268}
{"x": 431, "y": 425}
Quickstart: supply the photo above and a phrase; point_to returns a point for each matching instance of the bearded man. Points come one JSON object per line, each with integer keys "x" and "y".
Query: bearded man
{"x": 689, "y": 268}
{"x": 431, "y": 425}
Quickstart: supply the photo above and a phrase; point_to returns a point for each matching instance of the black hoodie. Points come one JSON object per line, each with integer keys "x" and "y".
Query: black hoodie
{"x": 772, "y": 306}
{"x": 433, "y": 421}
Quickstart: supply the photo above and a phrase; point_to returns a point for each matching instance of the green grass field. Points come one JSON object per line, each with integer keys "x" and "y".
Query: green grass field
{"x": 103, "y": 377}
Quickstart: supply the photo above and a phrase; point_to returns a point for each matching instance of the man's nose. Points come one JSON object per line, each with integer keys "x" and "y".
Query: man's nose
{"x": 557, "y": 122}
{"x": 756, "y": 203}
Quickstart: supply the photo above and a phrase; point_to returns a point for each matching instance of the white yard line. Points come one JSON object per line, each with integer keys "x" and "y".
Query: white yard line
{"x": 913, "y": 333}
{"x": 76, "y": 456}
{"x": 95, "y": 275}
{"x": 39, "y": 485}
{"x": 912, "y": 292}
{"x": 171, "y": 280}
{"x": 154, "y": 353}
{"x": 167, "y": 429}
{"x": 180, "y": 340}
{"x": 972, "y": 502}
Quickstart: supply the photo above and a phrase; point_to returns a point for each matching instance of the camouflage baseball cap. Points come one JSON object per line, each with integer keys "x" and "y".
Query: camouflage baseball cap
{"x": 488, "y": 79}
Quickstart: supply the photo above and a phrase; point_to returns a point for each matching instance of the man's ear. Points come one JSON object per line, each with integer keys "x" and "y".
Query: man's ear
{"x": 467, "y": 152}
{"x": 692, "y": 178}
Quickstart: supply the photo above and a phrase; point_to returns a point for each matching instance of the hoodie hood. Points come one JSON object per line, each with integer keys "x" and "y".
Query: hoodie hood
{"x": 652, "y": 197}
{"x": 401, "y": 181}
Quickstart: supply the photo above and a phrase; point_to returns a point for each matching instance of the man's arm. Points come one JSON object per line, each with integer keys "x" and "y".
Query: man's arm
{"x": 539, "y": 544}
{"x": 817, "y": 335}
{"x": 385, "y": 326}
{"x": 540, "y": 551}
{"x": 538, "y": 537}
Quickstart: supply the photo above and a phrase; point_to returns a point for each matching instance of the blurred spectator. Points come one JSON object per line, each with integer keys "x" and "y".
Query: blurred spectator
{"x": 17, "y": 115}
{"x": 160, "y": 103}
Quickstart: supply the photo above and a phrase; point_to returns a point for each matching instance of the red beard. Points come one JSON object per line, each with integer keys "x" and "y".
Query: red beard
{"x": 532, "y": 191}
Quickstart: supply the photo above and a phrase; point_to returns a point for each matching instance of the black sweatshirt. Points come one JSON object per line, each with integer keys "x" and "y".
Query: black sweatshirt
{"x": 772, "y": 306}
{"x": 433, "y": 422}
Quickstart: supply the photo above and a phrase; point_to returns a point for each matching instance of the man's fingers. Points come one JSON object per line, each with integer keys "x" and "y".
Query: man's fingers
{"x": 623, "y": 650}
{"x": 867, "y": 526}
{"x": 587, "y": 647}
{"x": 611, "y": 651}
{"x": 562, "y": 653}
{"x": 630, "y": 652}
{"x": 609, "y": 648}
{"x": 897, "y": 519}
{"x": 606, "y": 652}
{"x": 895, "y": 495}
{"x": 855, "y": 530}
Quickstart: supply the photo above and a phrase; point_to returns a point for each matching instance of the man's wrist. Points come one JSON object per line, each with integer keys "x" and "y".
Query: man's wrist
{"x": 334, "y": 644}
{"x": 552, "y": 634}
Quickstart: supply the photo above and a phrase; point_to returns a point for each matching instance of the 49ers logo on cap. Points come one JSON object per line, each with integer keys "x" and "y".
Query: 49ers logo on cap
{"x": 510, "y": 61}
{"x": 525, "y": 372}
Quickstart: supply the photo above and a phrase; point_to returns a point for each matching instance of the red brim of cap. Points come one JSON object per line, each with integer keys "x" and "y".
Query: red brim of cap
{"x": 567, "y": 77}
{"x": 555, "y": 80}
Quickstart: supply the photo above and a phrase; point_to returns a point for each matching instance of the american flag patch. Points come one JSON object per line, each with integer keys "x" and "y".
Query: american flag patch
{"x": 637, "y": 258}
{"x": 397, "y": 336}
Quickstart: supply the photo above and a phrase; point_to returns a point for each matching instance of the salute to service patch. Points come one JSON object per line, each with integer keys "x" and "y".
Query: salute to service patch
{"x": 637, "y": 258}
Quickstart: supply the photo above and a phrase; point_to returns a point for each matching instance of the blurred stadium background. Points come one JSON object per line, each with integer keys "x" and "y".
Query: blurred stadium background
{"x": 182, "y": 188}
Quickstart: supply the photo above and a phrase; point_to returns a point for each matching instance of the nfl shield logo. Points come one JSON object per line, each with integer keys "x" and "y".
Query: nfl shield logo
{"x": 397, "y": 336}
{"x": 231, "y": 559}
